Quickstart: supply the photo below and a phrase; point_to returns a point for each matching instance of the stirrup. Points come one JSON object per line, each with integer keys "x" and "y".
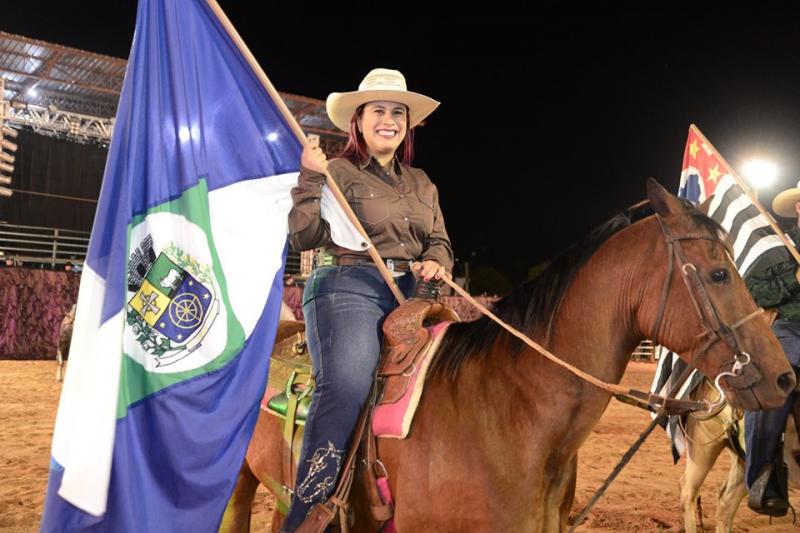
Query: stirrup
{"x": 758, "y": 490}
{"x": 296, "y": 395}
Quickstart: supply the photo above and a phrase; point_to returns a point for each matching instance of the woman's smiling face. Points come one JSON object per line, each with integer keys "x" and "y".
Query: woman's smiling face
{"x": 383, "y": 125}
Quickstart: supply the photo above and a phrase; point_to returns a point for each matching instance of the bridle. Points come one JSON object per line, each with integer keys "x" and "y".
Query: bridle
{"x": 714, "y": 327}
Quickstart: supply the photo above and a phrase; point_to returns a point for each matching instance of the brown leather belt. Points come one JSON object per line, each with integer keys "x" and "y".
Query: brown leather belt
{"x": 393, "y": 265}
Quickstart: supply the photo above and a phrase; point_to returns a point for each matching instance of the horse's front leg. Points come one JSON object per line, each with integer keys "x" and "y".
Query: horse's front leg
{"x": 730, "y": 495}
{"x": 701, "y": 454}
{"x": 559, "y": 497}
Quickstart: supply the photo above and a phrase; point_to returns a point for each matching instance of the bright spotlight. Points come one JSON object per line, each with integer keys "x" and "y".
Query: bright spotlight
{"x": 32, "y": 92}
{"x": 760, "y": 173}
{"x": 183, "y": 134}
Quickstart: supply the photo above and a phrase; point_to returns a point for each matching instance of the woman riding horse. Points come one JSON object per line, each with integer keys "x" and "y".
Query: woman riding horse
{"x": 496, "y": 434}
{"x": 344, "y": 304}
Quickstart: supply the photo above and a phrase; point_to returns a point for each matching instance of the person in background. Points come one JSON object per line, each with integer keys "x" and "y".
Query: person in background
{"x": 774, "y": 285}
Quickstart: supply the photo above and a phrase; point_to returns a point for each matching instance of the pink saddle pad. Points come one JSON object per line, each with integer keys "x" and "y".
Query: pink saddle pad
{"x": 393, "y": 420}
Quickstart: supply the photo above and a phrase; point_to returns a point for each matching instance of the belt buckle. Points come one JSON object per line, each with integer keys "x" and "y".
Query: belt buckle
{"x": 321, "y": 258}
{"x": 390, "y": 268}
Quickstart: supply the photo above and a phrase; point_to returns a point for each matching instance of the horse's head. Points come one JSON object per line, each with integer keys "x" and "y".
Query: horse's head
{"x": 701, "y": 308}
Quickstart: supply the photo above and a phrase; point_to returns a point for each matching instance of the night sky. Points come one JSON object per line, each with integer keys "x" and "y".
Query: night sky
{"x": 549, "y": 123}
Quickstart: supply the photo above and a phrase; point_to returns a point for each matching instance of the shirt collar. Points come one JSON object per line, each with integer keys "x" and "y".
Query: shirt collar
{"x": 372, "y": 161}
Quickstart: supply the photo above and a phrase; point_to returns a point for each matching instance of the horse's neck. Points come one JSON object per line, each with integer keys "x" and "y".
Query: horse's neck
{"x": 596, "y": 327}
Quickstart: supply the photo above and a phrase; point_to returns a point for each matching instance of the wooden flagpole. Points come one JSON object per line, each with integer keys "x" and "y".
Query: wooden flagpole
{"x": 287, "y": 115}
{"x": 739, "y": 181}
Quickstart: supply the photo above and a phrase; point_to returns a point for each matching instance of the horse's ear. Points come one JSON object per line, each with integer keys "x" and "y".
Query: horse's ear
{"x": 703, "y": 207}
{"x": 664, "y": 203}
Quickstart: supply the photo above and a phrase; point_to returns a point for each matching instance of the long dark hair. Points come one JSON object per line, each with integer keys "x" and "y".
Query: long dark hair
{"x": 356, "y": 149}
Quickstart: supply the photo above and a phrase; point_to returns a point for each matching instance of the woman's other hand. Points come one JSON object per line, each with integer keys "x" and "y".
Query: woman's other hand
{"x": 428, "y": 269}
{"x": 313, "y": 157}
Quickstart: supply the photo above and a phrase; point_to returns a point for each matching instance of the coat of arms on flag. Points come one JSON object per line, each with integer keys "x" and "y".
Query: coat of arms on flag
{"x": 174, "y": 304}
{"x": 176, "y": 317}
{"x": 181, "y": 290}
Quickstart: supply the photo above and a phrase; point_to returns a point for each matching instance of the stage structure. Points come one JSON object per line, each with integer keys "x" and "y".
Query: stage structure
{"x": 57, "y": 108}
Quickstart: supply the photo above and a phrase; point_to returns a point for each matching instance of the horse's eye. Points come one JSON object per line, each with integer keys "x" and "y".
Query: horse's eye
{"x": 719, "y": 276}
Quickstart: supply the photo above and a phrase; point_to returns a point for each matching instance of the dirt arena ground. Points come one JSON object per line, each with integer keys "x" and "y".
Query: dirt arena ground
{"x": 645, "y": 497}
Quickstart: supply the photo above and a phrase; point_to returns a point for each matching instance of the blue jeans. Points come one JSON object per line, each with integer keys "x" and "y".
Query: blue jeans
{"x": 344, "y": 307}
{"x": 763, "y": 429}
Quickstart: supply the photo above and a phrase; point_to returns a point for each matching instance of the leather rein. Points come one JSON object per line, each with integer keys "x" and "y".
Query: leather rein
{"x": 714, "y": 329}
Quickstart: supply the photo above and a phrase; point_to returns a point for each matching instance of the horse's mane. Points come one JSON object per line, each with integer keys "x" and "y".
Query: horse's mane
{"x": 533, "y": 306}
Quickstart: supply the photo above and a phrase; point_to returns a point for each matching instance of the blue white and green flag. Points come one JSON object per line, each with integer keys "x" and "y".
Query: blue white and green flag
{"x": 181, "y": 291}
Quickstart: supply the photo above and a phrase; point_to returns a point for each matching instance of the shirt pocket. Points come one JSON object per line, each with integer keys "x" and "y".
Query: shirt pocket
{"x": 370, "y": 205}
{"x": 426, "y": 208}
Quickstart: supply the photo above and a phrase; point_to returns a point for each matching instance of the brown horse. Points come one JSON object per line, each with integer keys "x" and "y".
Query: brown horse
{"x": 495, "y": 439}
{"x": 706, "y": 437}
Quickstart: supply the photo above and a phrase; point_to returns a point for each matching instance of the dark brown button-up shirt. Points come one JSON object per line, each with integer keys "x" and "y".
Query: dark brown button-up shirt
{"x": 398, "y": 208}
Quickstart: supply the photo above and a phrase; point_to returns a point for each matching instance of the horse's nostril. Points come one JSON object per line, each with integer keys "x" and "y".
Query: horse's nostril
{"x": 786, "y": 382}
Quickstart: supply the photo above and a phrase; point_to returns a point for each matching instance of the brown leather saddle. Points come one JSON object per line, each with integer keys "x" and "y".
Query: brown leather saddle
{"x": 405, "y": 342}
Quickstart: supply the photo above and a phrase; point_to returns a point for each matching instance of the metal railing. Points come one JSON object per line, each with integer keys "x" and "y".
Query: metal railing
{"x": 55, "y": 246}
{"x": 41, "y": 245}
{"x": 644, "y": 352}
{"x": 298, "y": 264}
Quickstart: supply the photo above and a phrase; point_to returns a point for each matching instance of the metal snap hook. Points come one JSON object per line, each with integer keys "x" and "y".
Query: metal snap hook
{"x": 685, "y": 265}
{"x": 719, "y": 387}
{"x": 739, "y": 365}
{"x": 710, "y": 406}
{"x": 736, "y": 371}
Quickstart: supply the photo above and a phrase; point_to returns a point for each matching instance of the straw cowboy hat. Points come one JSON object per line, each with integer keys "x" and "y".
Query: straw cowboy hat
{"x": 379, "y": 84}
{"x": 783, "y": 204}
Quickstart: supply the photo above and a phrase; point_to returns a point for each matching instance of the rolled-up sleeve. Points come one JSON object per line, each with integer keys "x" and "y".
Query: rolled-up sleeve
{"x": 307, "y": 228}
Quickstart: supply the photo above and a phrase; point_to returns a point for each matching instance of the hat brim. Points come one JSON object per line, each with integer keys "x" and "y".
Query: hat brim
{"x": 783, "y": 204}
{"x": 342, "y": 106}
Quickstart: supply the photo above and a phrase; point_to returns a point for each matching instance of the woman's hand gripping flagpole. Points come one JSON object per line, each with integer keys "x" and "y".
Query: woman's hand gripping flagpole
{"x": 366, "y": 243}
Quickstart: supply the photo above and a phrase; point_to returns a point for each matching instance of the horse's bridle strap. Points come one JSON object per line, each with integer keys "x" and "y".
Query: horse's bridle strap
{"x": 635, "y": 397}
{"x": 710, "y": 320}
{"x": 752, "y": 315}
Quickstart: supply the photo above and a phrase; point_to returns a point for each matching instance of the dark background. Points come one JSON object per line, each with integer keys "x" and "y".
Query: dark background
{"x": 69, "y": 173}
{"x": 550, "y": 123}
